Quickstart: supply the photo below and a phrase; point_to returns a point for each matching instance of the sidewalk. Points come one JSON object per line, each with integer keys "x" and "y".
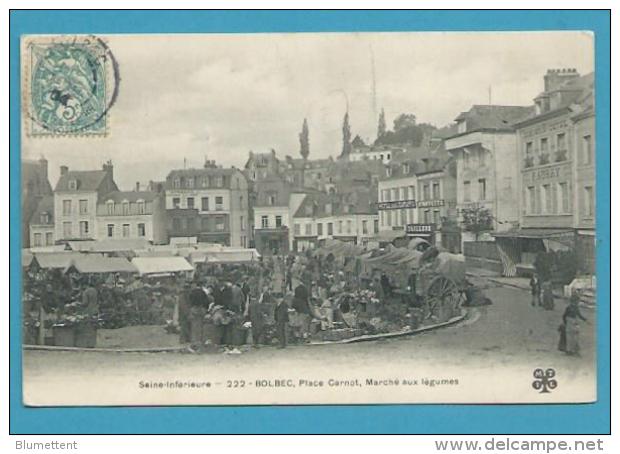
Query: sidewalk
{"x": 521, "y": 283}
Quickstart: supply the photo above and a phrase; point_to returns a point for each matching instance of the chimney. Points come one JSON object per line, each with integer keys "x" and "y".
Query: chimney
{"x": 64, "y": 170}
{"x": 137, "y": 186}
{"x": 43, "y": 167}
{"x": 556, "y": 77}
{"x": 109, "y": 168}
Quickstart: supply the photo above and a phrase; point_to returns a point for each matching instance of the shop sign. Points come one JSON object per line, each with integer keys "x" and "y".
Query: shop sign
{"x": 547, "y": 173}
{"x": 413, "y": 229}
{"x": 396, "y": 205}
{"x": 430, "y": 203}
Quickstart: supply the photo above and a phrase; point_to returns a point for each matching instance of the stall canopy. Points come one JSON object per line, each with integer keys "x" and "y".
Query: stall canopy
{"x": 97, "y": 264}
{"x": 230, "y": 255}
{"x": 54, "y": 260}
{"x": 389, "y": 236}
{"x": 109, "y": 245}
{"x": 27, "y": 257}
{"x": 161, "y": 265}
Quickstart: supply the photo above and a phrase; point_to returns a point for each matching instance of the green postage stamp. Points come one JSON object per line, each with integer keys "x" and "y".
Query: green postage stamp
{"x": 70, "y": 83}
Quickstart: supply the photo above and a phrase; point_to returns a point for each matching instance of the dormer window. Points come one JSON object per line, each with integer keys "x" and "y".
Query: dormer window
{"x": 190, "y": 182}
{"x": 73, "y": 185}
{"x": 205, "y": 182}
{"x": 125, "y": 207}
{"x": 141, "y": 207}
{"x": 45, "y": 218}
{"x": 176, "y": 183}
{"x": 461, "y": 126}
{"x": 406, "y": 168}
{"x": 110, "y": 207}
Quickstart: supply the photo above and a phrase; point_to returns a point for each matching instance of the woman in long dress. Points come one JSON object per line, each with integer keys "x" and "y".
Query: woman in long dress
{"x": 571, "y": 318}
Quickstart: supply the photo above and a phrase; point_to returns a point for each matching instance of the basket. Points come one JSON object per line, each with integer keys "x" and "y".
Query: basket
{"x": 86, "y": 335}
{"x": 64, "y": 336}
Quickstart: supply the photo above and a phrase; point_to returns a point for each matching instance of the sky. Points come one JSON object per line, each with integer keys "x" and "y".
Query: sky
{"x": 184, "y": 98}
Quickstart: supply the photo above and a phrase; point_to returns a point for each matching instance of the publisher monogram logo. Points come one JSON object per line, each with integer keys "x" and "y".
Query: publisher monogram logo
{"x": 545, "y": 383}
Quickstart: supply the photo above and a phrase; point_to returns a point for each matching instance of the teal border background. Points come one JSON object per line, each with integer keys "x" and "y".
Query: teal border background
{"x": 433, "y": 419}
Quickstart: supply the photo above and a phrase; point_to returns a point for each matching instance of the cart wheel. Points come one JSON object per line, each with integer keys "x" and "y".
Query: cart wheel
{"x": 442, "y": 296}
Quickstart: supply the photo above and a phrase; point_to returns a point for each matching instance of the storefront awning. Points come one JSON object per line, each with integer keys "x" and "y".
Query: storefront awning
{"x": 535, "y": 233}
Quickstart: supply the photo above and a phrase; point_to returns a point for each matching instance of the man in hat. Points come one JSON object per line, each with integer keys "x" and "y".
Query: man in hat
{"x": 281, "y": 317}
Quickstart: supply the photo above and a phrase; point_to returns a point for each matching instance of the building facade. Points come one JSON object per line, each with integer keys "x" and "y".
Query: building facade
{"x": 35, "y": 187}
{"x": 76, "y": 197}
{"x": 486, "y": 163}
{"x": 42, "y": 229}
{"x": 556, "y": 149}
{"x": 133, "y": 214}
{"x": 210, "y": 204}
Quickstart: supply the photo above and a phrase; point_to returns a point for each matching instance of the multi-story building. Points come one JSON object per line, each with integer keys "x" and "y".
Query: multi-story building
{"x": 275, "y": 203}
{"x": 210, "y": 204}
{"x": 487, "y": 165}
{"x": 556, "y": 158}
{"x": 133, "y": 214}
{"x": 261, "y": 166}
{"x": 35, "y": 187}
{"x": 76, "y": 196}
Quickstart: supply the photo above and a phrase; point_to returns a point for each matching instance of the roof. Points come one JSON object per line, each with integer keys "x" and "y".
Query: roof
{"x": 109, "y": 245}
{"x": 273, "y": 184}
{"x": 45, "y": 205}
{"x": 492, "y": 117}
{"x": 27, "y": 257}
{"x": 33, "y": 173}
{"x": 314, "y": 203}
{"x": 198, "y": 173}
{"x": 54, "y": 260}
{"x": 94, "y": 263}
{"x": 161, "y": 265}
{"x": 130, "y": 196}
{"x": 87, "y": 180}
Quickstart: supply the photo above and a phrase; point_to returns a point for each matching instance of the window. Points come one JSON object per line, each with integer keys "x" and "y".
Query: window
{"x": 319, "y": 229}
{"x": 125, "y": 208}
{"x": 376, "y": 226}
{"x": 49, "y": 238}
{"x": 73, "y": 185}
{"x": 190, "y": 182}
{"x": 219, "y": 223}
{"x": 240, "y": 201}
{"x": 125, "y": 230}
{"x": 110, "y": 207}
{"x": 412, "y": 192}
{"x": 388, "y": 215}
{"x": 531, "y": 200}
{"x": 411, "y": 215}
{"x": 546, "y": 198}
{"x": 436, "y": 217}
{"x": 394, "y": 193}
{"x": 141, "y": 207}
{"x": 426, "y": 191}
{"x": 482, "y": 158}
{"x": 83, "y": 229}
{"x": 330, "y": 228}
{"x": 110, "y": 230}
{"x": 176, "y": 202}
{"x": 587, "y": 150}
{"x": 45, "y": 218}
{"x": 190, "y": 203}
{"x": 436, "y": 191}
{"x": 271, "y": 199}
{"x": 37, "y": 239}
{"x": 544, "y": 151}
{"x": 308, "y": 229}
{"x": 219, "y": 203}
{"x": 297, "y": 229}
{"x": 403, "y": 216}
{"x": 66, "y": 207}
{"x": 466, "y": 164}
{"x": 141, "y": 230}
{"x": 529, "y": 154}
{"x": 466, "y": 191}
{"x": 405, "y": 192}
{"x": 278, "y": 221}
{"x": 561, "y": 141}
{"x": 66, "y": 229}
{"x": 242, "y": 222}
{"x": 563, "y": 197}
{"x": 427, "y": 216}
{"x": 264, "y": 222}
{"x": 204, "y": 204}
{"x": 219, "y": 181}
{"x": 205, "y": 182}
{"x": 83, "y": 205}
{"x": 339, "y": 227}
{"x": 176, "y": 183}
{"x": 382, "y": 216}
{"x": 349, "y": 225}
{"x": 482, "y": 189}
{"x": 589, "y": 201}
{"x": 364, "y": 227}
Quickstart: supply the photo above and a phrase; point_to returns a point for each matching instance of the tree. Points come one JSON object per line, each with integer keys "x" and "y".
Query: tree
{"x": 346, "y": 135}
{"x": 477, "y": 219}
{"x": 406, "y": 131}
{"x": 304, "y": 140}
{"x": 404, "y": 121}
{"x": 381, "y": 127}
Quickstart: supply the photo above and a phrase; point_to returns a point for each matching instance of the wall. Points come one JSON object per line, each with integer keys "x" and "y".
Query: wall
{"x": 585, "y": 173}
{"x": 75, "y": 217}
{"x": 43, "y": 230}
{"x": 390, "y": 217}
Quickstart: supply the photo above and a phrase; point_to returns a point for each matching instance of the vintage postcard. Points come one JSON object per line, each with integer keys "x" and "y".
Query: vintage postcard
{"x": 308, "y": 218}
